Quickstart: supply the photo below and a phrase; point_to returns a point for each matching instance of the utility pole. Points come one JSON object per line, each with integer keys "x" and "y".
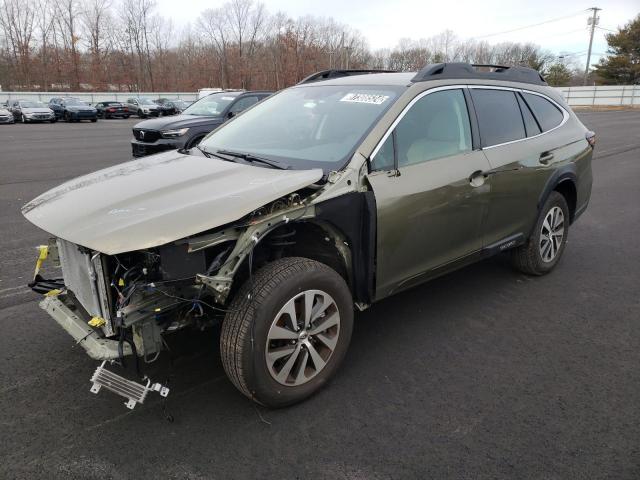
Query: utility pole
{"x": 593, "y": 21}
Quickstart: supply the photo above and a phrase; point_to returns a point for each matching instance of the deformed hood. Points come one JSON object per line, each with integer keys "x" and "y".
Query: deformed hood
{"x": 158, "y": 199}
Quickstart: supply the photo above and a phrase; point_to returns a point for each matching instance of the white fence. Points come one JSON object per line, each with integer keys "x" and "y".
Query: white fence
{"x": 614, "y": 95}
{"x": 621, "y": 95}
{"x": 93, "y": 97}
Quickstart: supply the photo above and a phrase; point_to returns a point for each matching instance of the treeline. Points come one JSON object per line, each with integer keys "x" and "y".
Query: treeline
{"x": 126, "y": 45}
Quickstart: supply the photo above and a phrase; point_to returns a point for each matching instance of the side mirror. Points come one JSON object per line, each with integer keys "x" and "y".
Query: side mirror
{"x": 231, "y": 114}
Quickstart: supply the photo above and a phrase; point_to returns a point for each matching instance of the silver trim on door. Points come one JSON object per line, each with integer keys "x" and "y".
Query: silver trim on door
{"x": 565, "y": 114}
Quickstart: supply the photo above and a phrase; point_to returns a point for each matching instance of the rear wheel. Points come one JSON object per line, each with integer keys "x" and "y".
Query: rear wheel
{"x": 287, "y": 331}
{"x": 544, "y": 248}
{"x": 94, "y": 120}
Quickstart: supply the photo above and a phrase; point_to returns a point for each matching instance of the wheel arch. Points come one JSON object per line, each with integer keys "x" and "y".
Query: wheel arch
{"x": 563, "y": 181}
{"x": 340, "y": 235}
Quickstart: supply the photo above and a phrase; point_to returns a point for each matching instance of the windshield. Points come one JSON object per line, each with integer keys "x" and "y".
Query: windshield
{"x": 211, "y": 105}
{"x": 32, "y": 105}
{"x": 74, "y": 102}
{"x": 306, "y": 127}
{"x": 145, "y": 101}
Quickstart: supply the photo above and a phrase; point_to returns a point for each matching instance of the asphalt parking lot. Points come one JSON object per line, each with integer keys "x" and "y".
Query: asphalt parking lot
{"x": 483, "y": 373}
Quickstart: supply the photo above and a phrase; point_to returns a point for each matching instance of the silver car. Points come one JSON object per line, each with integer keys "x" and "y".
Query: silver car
{"x": 32, "y": 111}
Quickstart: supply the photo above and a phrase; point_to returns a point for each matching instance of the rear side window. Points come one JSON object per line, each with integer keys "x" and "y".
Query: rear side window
{"x": 530, "y": 123}
{"x": 498, "y": 115}
{"x": 549, "y": 116}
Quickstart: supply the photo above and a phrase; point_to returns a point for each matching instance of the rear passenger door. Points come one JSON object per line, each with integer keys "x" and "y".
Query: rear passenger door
{"x": 522, "y": 160}
{"x": 430, "y": 200}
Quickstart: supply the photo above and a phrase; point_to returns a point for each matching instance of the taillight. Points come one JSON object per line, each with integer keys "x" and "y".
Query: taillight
{"x": 126, "y": 109}
{"x": 591, "y": 138}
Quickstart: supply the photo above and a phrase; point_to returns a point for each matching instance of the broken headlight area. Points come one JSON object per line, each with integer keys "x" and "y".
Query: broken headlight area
{"x": 126, "y": 303}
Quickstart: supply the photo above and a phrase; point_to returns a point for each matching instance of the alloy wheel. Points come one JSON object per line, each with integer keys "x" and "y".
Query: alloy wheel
{"x": 551, "y": 234}
{"x": 302, "y": 337}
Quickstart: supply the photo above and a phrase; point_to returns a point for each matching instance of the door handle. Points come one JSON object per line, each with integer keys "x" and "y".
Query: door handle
{"x": 545, "y": 158}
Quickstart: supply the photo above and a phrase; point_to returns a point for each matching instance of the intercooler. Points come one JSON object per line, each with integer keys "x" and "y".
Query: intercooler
{"x": 84, "y": 276}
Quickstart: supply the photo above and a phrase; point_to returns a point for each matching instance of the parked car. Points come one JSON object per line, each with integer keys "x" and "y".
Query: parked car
{"x": 180, "y": 105}
{"x": 71, "y": 109}
{"x": 27, "y": 111}
{"x": 165, "y": 107}
{"x": 6, "y": 116}
{"x": 189, "y": 128}
{"x": 328, "y": 196}
{"x": 143, "y": 107}
{"x": 112, "y": 109}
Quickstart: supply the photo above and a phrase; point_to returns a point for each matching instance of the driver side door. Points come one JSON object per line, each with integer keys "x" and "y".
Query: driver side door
{"x": 431, "y": 196}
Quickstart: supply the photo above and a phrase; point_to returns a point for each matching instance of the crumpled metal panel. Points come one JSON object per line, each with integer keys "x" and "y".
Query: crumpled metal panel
{"x": 158, "y": 199}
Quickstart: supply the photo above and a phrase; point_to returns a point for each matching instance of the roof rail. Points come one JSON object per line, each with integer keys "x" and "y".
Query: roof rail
{"x": 461, "y": 70}
{"x": 328, "y": 74}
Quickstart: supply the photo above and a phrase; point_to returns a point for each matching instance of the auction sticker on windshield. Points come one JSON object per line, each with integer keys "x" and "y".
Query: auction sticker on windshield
{"x": 364, "y": 98}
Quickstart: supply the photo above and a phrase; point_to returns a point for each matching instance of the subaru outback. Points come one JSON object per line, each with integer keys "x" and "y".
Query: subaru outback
{"x": 321, "y": 200}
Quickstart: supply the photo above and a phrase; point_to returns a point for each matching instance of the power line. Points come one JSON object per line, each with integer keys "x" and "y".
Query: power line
{"x": 581, "y": 12}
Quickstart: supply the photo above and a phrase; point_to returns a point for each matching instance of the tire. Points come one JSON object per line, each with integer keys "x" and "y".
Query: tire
{"x": 141, "y": 115}
{"x": 275, "y": 285}
{"x": 94, "y": 120}
{"x": 23, "y": 119}
{"x": 53, "y": 120}
{"x": 67, "y": 117}
{"x": 538, "y": 255}
{"x": 126, "y": 116}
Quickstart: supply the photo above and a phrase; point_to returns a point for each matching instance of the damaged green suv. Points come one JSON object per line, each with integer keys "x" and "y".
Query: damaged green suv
{"x": 324, "y": 198}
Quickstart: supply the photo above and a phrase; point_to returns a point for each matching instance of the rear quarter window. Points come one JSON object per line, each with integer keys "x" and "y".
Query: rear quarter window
{"x": 499, "y": 116}
{"x": 548, "y": 115}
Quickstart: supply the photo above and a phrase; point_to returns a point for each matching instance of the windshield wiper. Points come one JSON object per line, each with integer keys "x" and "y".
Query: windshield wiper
{"x": 211, "y": 154}
{"x": 249, "y": 157}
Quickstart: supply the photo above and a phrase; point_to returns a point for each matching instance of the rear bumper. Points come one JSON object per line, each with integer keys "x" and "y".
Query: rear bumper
{"x": 97, "y": 347}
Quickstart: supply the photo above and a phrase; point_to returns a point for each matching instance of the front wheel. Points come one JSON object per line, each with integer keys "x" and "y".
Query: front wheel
{"x": 544, "y": 248}
{"x": 287, "y": 331}
{"x": 141, "y": 115}
{"x": 23, "y": 119}
{"x": 94, "y": 120}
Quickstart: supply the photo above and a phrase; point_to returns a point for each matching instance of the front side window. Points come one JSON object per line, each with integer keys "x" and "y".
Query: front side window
{"x": 499, "y": 116}
{"x": 243, "y": 104}
{"x": 306, "y": 126}
{"x": 549, "y": 116}
{"x": 436, "y": 126}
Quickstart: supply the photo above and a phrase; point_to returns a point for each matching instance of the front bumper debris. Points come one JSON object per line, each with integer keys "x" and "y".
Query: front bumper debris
{"x": 134, "y": 392}
{"x": 97, "y": 347}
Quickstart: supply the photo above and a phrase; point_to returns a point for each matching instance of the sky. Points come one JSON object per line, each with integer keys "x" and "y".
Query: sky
{"x": 385, "y": 22}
